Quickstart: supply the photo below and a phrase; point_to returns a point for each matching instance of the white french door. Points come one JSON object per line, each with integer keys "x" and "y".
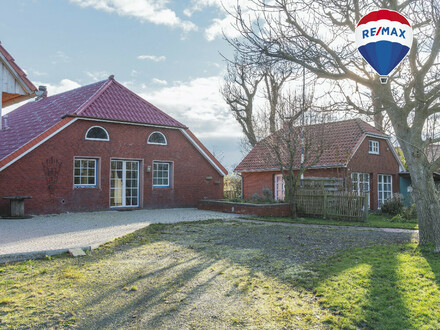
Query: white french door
{"x": 124, "y": 183}
{"x": 279, "y": 187}
{"x": 361, "y": 184}
{"x": 384, "y": 187}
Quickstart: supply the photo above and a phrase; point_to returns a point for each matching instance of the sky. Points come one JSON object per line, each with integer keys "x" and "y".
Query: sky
{"x": 167, "y": 51}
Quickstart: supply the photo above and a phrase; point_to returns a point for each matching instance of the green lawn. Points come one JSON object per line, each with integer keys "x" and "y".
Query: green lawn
{"x": 383, "y": 287}
{"x": 374, "y": 220}
{"x": 216, "y": 274}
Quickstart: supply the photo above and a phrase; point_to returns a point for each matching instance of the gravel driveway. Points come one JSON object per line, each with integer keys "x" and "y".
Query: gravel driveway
{"x": 54, "y": 234}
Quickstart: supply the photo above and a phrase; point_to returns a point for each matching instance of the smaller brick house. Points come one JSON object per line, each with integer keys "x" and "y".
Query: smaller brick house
{"x": 354, "y": 151}
{"x": 101, "y": 147}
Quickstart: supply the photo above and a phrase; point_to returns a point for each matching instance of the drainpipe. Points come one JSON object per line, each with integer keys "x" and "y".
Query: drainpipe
{"x": 241, "y": 184}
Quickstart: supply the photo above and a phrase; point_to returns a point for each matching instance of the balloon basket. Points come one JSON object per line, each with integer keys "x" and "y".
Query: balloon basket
{"x": 383, "y": 79}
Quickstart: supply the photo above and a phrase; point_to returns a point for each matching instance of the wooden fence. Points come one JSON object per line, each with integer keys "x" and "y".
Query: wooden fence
{"x": 339, "y": 205}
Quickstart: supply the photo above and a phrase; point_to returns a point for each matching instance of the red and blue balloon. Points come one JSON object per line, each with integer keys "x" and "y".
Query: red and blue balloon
{"x": 384, "y": 37}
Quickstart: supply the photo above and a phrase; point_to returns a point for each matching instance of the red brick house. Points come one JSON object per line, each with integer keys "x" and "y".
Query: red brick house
{"x": 102, "y": 147}
{"x": 353, "y": 150}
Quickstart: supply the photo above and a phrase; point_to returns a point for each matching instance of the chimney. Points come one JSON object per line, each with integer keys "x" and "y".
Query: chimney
{"x": 41, "y": 93}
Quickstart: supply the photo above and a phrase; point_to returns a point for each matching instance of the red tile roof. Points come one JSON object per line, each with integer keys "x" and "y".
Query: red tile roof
{"x": 339, "y": 139}
{"x": 19, "y": 72}
{"x": 102, "y": 100}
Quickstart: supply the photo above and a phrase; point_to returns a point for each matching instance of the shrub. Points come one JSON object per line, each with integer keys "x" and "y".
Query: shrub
{"x": 410, "y": 212}
{"x": 393, "y": 205}
{"x": 400, "y": 218}
{"x": 267, "y": 193}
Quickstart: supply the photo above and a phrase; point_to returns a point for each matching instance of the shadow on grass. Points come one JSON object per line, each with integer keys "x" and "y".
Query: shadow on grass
{"x": 362, "y": 287}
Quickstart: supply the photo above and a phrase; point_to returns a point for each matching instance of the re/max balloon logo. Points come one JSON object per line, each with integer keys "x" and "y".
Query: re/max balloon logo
{"x": 385, "y": 31}
{"x": 383, "y": 38}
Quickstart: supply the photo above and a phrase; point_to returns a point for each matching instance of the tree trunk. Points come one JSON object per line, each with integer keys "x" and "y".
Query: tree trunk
{"x": 427, "y": 204}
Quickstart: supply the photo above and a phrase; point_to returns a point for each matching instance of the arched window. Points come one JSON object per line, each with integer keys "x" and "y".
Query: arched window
{"x": 157, "y": 138}
{"x": 97, "y": 133}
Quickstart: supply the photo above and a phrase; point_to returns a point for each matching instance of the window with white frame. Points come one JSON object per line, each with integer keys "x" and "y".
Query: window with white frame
{"x": 373, "y": 147}
{"x": 97, "y": 133}
{"x": 157, "y": 138}
{"x": 279, "y": 187}
{"x": 384, "y": 187}
{"x": 161, "y": 174}
{"x": 361, "y": 184}
{"x": 84, "y": 172}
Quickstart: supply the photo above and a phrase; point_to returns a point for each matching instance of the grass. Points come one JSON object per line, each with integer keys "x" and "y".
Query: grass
{"x": 216, "y": 274}
{"x": 374, "y": 220}
{"x": 387, "y": 287}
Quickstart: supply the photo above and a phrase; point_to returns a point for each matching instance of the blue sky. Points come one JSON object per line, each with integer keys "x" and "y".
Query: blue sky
{"x": 166, "y": 51}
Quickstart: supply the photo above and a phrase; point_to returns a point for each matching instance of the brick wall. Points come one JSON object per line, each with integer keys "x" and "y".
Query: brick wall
{"x": 264, "y": 210}
{"x": 254, "y": 182}
{"x": 28, "y": 176}
{"x": 384, "y": 163}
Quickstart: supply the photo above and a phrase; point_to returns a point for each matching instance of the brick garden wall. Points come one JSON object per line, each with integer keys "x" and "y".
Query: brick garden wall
{"x": 267, "y": 210}
{"x": 56, "y": 193}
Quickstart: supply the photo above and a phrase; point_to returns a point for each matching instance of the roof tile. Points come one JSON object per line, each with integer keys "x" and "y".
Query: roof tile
{"x": 338, "y": 139}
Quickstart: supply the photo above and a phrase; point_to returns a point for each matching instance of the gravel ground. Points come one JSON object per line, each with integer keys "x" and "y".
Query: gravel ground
{"x": 53, "y": 234}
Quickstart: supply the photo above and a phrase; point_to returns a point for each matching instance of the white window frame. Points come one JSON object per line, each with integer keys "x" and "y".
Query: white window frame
{"x": 155, "y": 163}
{"x": 161, "y": 144}
{"x": 124, "y": 182}
{"x": 279, "y": 187}
{"x": 88, "y": 185}
{"x": 380, "y": 187}
{"x": 357, "y": 178}
{"x": 373, "y": 147}
{"x": 95, "y": 139}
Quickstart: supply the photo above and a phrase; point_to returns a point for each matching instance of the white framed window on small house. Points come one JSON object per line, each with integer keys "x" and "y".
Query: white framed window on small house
{"x": 85, "y": 172}
{"x": 361, "y": 184}
{"x": 157, "y": 138}
{"x": 279, "y": 187}
{"x": 97, "y": 133}
{"x": 373, "y": 147}
{"x": 161, "y": 174}
{"x": 384, "y": 188}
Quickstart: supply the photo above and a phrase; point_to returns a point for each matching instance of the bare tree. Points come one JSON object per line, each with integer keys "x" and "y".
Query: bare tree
{"x": 295, "y": 149}
{"x": 241, "y": 89}
{"x": 318, "y": 35}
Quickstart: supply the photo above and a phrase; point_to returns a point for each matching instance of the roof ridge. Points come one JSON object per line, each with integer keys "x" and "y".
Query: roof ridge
{"x": 94, "y": 96}
{"x": 359, "y": 125}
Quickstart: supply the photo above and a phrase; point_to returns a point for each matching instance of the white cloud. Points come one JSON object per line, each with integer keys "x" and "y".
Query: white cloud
{"x": 159, "y": 81}
{"x": 61, "y": 57}
{"x": 63, "y": 86}
{"x": 152, "y": 58}
{"x": 199, "y": 105}
{"x": 152, "y": 11}
{"x": 98, "y": 75}
{"x": 224, "y": 24}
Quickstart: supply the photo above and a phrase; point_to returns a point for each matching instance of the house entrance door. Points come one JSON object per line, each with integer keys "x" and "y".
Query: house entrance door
{"x": 124, "y": 183}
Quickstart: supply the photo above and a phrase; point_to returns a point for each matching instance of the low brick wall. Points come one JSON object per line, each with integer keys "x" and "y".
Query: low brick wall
{"x": 268, "y": 210}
